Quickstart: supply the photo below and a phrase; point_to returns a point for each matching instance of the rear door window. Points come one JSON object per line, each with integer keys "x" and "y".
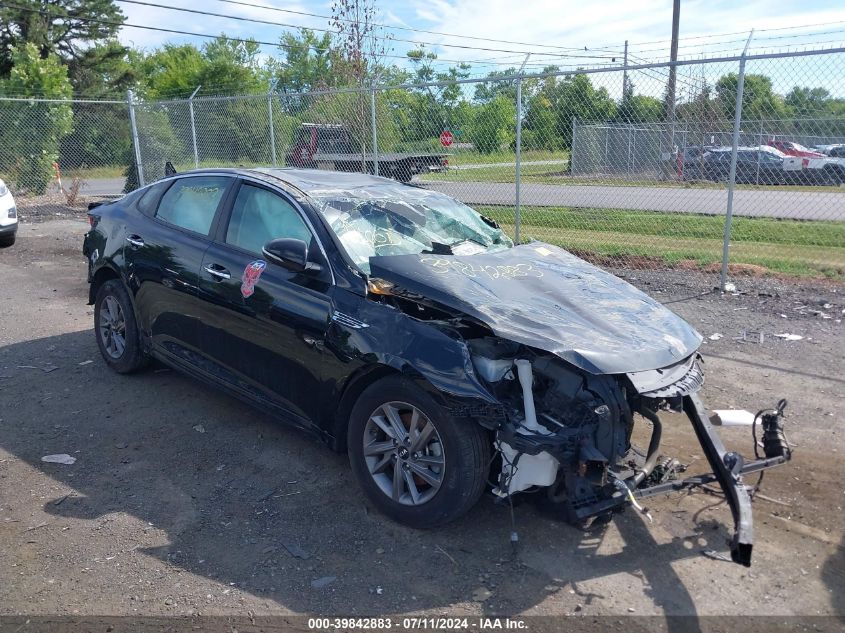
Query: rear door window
{"x": 191, "y": 202}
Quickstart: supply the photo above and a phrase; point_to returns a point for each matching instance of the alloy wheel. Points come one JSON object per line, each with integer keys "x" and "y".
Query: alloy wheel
{"x": 112, "y": 327}
{"x": 404, "y": 453}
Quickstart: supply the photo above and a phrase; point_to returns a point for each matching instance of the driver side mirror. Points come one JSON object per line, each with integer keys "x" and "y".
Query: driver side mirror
{"x": 289, "y": 253}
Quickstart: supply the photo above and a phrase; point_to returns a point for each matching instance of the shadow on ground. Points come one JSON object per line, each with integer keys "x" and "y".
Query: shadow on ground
{"x": 238, "y": 495}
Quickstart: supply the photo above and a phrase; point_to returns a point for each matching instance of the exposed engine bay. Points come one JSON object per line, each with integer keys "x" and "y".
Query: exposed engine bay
{"x": 569, "y": 433}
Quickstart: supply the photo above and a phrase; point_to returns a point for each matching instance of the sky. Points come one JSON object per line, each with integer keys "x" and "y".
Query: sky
{"x": 554, "y": 31}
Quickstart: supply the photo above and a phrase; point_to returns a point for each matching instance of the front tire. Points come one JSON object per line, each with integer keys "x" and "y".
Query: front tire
{"x": 414, "y": 461}
{"x": 7, "y": 241}
{"x": 118, "y": 336}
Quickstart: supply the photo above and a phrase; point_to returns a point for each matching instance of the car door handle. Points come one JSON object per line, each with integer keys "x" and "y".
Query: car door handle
{"x": 135, "y": 240}
{"x": 217, "y": 271}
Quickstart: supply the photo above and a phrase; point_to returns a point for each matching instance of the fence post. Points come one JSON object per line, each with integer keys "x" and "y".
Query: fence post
{"x": 518, "y": 158}
{"x": 375, "y": 131}
{"x": 130, "y": 102}
{"x": 272, "y": 127}
{"x": 726, "y": 243}
{"x": 518, "y": 166}
{"x": 193, "y": 126}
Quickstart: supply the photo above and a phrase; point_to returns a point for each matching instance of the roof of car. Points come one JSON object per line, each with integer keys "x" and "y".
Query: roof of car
{"x": 308, "y": 180}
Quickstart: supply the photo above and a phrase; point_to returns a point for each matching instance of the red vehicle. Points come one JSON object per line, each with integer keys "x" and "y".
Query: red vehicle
{"x": 795, "y": 149}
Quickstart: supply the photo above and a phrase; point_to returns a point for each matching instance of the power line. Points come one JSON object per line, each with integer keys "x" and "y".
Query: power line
{"x": 745, "y": 32}
{"x": 742, "y": 41}
{"x": 195, "y": 34}
{"x": 414, "y": 30}
{"x": 295, "y": 26}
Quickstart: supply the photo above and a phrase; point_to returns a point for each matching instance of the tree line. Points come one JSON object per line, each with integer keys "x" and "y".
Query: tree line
{"x": 70, "y": 48}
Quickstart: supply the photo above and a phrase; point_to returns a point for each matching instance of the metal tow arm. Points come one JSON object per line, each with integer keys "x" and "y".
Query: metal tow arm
{"x": 727, "y": 469}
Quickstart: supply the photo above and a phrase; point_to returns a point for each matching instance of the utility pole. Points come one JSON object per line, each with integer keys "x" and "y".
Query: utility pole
{"x": 670, "y": 88}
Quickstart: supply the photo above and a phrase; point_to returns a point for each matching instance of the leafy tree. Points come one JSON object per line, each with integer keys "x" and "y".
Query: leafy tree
{"x": 434, "y": 108}
{"x": 808, "y": 102}
{"x": 222, "y": 67}
{"x": 634, "y": 108}
{"x": 493, "y": 125}
{"x": 486, "y": 91}
{"x": 574, "y": 96}
{"x": 540, "y": 124}
{"x": 31, "y": 142}
{"x": 759, "y": 101}
{"x": 68, "y": 29}
{"x": 306, "y": 62}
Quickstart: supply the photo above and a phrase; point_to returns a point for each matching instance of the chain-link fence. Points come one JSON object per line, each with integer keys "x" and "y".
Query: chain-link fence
{"x": 741, "y": 173}
{"x": 57, "y": 155}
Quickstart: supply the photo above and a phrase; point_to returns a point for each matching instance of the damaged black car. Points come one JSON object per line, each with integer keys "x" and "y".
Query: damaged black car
{"x": 405, "y": 328}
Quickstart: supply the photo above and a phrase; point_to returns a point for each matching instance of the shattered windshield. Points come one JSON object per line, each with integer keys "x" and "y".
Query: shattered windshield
{"x": 384, "y": 220}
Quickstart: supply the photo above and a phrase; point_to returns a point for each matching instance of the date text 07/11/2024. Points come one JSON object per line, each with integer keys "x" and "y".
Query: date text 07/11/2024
{"x": 416, "y": 623}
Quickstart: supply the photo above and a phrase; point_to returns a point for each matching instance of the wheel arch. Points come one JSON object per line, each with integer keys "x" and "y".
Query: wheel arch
{"x": 103, "y": 274}
{"x": 356, "y": 384}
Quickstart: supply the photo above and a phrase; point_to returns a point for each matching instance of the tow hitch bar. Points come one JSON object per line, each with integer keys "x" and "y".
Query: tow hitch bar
{"x": 728, "y": 468}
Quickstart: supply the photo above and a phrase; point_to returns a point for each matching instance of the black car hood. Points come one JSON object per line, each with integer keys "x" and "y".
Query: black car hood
{"x": 544, "y": 297}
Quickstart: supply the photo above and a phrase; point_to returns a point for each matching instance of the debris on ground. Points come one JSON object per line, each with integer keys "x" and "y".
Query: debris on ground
{"x": 61, "y": 458}
{"x": 325, "y": 581}
{"x": 790, "y": 337}
{"x": 481, "y": 594}
{"x": 296, "y": 551}
{"x": 199, "y": 428}
{"x": 751, "y": 336}
{"x": 85, "y": 362}
{"x": 715, "y": 337}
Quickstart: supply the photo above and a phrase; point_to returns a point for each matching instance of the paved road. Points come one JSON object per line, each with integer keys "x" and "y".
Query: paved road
{"x": 524, "y": 163}
{"x": 805, "y": 205}
{"x": 773, "y": 203}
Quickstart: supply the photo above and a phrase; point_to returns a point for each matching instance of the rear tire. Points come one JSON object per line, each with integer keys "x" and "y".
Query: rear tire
{"x": 458, "y": 449}
{"x": 118, "y": 336}
{"x": 9, "y": 240}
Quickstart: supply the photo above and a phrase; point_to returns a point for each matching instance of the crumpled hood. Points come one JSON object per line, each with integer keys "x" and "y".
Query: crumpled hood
{"x": 544, "y": 297}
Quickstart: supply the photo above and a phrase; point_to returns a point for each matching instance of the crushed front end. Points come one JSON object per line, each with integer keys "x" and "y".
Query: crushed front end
{"x": 567, "y": 435}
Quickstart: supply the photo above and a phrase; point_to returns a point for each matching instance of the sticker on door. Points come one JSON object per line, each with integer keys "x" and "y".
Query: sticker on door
{"x": 251, "y": 275}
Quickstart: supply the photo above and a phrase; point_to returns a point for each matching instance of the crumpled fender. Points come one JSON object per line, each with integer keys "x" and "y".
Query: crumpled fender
{"x": 432, "y": 351}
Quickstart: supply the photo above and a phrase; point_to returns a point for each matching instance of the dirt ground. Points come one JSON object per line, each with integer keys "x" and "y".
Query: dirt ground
{"x": 183, "y": 500}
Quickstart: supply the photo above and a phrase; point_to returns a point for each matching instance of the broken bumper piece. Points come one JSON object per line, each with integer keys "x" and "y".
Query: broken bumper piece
{"x": 728, "y": 468}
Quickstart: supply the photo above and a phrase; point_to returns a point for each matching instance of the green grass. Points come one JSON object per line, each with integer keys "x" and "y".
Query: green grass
{"x": 472, "y": 157}
{"x": 785, "y": 246}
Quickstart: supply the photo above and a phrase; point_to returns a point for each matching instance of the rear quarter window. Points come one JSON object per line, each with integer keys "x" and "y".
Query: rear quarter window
{"x": 146, "y": 202}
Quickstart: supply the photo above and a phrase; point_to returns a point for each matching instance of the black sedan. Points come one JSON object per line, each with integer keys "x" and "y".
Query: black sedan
{"x": 407, "y": 329}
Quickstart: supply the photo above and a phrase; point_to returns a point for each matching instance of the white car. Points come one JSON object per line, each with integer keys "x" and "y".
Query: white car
{"x": 8, "y": 216}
